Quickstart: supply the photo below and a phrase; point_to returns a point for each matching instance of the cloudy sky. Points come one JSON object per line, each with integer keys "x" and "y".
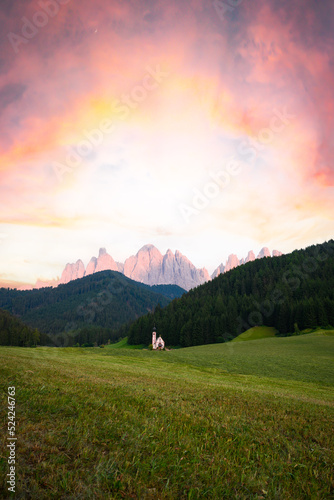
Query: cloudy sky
{"x": 201, "y": 126}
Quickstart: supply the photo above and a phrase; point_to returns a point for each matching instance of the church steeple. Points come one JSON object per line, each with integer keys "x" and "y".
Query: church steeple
{"x": 157, "y": 343}
{"x": 154, "y": 337}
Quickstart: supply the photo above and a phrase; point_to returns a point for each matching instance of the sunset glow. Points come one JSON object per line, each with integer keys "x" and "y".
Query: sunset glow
{"x": 116, "y": 115}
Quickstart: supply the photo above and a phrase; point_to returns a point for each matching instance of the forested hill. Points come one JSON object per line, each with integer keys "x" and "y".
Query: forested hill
{"x": 291, "y": 292}
{"x": 14, "y": 332}
{"x": 106, "y": 299}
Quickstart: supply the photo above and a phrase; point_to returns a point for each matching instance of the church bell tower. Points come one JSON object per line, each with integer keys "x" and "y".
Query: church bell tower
{"x": 154, "y": 337}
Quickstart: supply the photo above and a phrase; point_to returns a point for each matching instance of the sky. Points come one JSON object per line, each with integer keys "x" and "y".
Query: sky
{"x": 202, "y": 126}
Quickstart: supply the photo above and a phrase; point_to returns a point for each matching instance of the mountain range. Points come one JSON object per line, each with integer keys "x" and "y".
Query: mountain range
{"x": 149, "y": 266}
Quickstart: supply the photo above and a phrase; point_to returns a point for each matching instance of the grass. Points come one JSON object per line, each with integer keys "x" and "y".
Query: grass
{"x": 123, "y": 344}
{"x": 255, "y": 333}
{"x": 247, "y": 420}
{"x": 319, "y": 330}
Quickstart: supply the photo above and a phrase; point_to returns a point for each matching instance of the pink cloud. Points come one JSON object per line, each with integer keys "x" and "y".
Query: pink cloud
{"x": 235, "y": 73}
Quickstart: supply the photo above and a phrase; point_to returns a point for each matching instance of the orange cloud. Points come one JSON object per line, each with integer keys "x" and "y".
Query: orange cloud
{"x": 225, "y": 79}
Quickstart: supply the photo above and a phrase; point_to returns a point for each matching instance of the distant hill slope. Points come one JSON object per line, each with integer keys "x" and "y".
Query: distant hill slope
{"x": 255, "y": 333}
{"x": 106, "y": 299}
{"x": 169, "y": 291}
{"x": 123, "y": 344}
{"x": 294, "y": 291}
{"x": 15, "y": 333}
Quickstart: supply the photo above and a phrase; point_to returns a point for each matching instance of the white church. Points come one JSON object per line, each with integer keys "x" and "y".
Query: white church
{"x": 157, "y": 343}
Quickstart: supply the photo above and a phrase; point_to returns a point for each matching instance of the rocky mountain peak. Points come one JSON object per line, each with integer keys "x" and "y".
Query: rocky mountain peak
{"x": 233, "y": 260}
{"x": 149, "y": 266}
{"x": 72, "y": 272}
{"x": 91, "y": 266}
{"x": 150, "y": 249}
{"x": 105, "y": 262}
{"x": 264, "y": 252}
{"x": 277, "y": 253}
{"x": 250, "y": 257}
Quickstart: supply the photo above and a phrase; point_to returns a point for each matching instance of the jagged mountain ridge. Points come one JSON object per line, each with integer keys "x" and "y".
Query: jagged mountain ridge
{"x": 149, "y": 266}
{"x": 233, "y": 260}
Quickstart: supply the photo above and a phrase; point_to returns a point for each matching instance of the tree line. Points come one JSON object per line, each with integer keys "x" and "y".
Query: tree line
{"x": 14, "y": 332}
{"x": 291, "y": 293}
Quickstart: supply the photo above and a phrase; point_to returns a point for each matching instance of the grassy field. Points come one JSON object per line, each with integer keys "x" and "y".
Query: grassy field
{"x": 123, "y": 344}
{"x": 244, "y": 420}
{"x": 255, "y": 333}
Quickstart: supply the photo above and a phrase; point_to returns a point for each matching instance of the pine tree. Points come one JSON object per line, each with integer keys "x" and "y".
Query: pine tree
{"x": 283, "y": 319}
{"x": 322, "y": 319}
{"x": 310, "y": 314}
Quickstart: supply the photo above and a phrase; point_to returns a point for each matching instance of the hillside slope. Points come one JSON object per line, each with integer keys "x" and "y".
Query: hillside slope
{"x": 247, "y": 420}
{"x": 15, "y": 333}
{"x": 255, "y": 333}
{"x": 305, "y": 358}
{"x": 294, "y": 291}
{"x": 106, "y": 299}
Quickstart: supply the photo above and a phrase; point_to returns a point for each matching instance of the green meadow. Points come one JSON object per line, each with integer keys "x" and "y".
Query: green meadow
{"x": 124, "y": 344}
{"x": 240, "y": 420}
{"x": 255, "y": 333}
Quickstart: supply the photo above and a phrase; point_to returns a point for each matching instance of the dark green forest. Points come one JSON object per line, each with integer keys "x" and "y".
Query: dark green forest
{"x": 90, "y": 309}
{"x": 14, "y": 332}
{"x": 291, "y": 293}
